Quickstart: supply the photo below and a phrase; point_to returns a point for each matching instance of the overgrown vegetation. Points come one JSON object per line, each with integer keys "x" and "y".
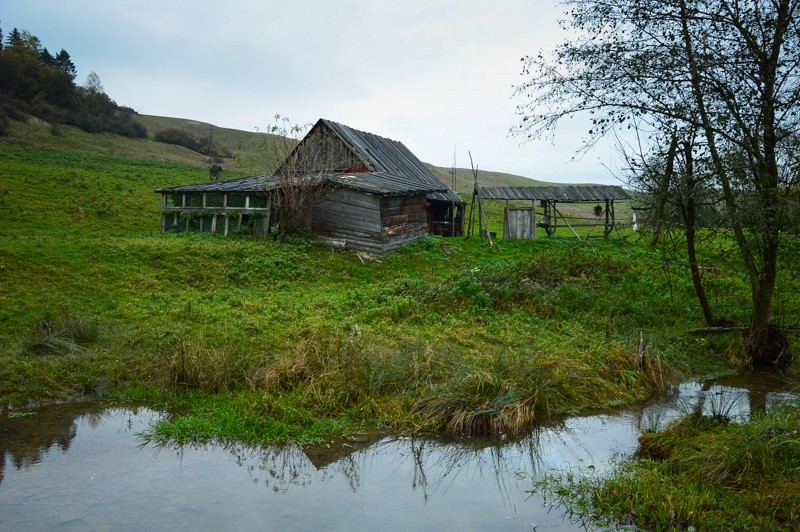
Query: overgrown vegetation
{"x": 59, "y": 334}
{"x": 702, "y": 471}
{"x": 268, "y": 341}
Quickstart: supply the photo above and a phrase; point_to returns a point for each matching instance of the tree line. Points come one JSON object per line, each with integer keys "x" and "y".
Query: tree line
{"x": 35, "y": 82}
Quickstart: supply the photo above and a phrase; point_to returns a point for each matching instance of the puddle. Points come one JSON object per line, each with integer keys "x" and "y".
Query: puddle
{"x": 79, "y": 467}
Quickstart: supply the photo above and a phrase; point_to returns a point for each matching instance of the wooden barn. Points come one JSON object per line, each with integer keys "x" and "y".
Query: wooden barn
{"x": 369, "y": 193}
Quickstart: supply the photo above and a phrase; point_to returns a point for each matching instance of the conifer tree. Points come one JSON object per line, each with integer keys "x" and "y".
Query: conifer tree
{"x": 65, "y": 64}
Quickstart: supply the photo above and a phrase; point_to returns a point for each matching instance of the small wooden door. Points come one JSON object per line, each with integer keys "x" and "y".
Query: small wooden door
{"x": 519, "y": 224}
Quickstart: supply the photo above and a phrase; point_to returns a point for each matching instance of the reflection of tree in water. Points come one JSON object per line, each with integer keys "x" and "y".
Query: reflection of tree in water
{"x": 737, "y": 397}
{"x": 282, "y": 467}
{"x": 434, "y": 463}
{"x": 438, "y": 463}
{"x": 26, "y": 437}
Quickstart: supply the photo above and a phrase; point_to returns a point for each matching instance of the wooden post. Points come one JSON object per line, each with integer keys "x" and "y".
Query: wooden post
{"x": 472, "y": 212}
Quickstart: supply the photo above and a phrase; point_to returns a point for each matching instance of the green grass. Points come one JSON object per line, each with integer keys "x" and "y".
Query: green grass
{"x": 701, "y": 472}
{"x": 284, "y": 340}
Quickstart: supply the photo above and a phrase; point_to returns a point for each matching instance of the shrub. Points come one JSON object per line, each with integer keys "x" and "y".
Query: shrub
{"x": 190, "y": 141}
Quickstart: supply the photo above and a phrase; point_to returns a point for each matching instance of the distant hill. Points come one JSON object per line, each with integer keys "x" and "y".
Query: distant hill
{"x": 245, "y": 142}
{"x": 233, "y": 139}
{"x": 465, "y": 179}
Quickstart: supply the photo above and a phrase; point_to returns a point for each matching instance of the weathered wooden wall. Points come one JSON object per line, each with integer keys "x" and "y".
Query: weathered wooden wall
{"x": 404, "y": 220}
{"x": 519, "y": 223}
{"x": 366, "y": 222}
{"x": 320, "y": 153}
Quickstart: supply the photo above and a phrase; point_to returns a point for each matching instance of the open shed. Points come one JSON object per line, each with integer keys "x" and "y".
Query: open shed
{"x": 223, "y": 207}
{"x": 521, "y": 222}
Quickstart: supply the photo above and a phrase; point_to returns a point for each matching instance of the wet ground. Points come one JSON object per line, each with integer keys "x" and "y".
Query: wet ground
{"x": 82, "y": 467}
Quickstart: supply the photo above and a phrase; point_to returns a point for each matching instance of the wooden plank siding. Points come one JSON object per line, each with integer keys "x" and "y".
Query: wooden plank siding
{"x": 321, "y": 152}
{"x": 370, "y": 223}
{"x": 352, "y": 217}
{"x": 404, "y": 220}
{"x": 519, "y": 223}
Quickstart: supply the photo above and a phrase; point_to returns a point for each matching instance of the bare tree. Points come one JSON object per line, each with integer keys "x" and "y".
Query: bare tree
{"x": 300, "y": 167}
{"x": 678, "y": 199}
{"x": 726, "y": 69}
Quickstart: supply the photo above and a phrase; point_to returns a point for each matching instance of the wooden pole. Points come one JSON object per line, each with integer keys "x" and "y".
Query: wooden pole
{"x": 483, "y": 222}
{"x": 472, "y": 211}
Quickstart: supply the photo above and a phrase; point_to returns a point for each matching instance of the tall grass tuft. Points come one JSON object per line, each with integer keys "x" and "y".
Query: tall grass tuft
{"x": 192, "y": 364}
{"x": 330, "y": 368}
{"x": 504, "y": 395}
{"x": 59, "y": 334}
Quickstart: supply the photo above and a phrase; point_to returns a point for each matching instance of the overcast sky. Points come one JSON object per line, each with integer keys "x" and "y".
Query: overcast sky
{"x": 437, "y": 75}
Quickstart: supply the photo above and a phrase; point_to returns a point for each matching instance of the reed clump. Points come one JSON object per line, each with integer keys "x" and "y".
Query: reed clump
{"x": 192, "y": 363}
{"x": 330, "y": 368}
{"x": 507, "y": 391}
{"x": 59, "y": 334}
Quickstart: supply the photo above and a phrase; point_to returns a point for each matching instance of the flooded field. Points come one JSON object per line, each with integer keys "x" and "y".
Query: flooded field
{"x": 82, "y": 467}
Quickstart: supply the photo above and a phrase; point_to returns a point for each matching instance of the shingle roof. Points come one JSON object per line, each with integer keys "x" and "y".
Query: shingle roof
{"x": 389, "y": 157}
{"x": 565, "y": 193}
{"x": 254, "y": 183}
{"x": 394, "y": 170}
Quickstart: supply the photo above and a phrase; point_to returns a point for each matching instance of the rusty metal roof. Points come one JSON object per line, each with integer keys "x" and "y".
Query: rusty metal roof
{"x": 564, "y": 194}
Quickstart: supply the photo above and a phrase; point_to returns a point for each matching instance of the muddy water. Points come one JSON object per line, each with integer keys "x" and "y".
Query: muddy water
{"x": 83, "y": 468}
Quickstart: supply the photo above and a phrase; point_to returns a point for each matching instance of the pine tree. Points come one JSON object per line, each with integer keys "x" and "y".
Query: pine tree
{"x": 65, "y": 64}
{"x": 46, "y": 59}
{"x": 14, "y": 38}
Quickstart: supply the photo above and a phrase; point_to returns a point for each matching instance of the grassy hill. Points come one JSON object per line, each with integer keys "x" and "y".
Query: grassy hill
{"x": 263, "y": 341}
{"x": 245, "y": 143}
{"x": 445, "y": 334}
{"x": 465, "y": 179}
{"x": 234, "y": 139}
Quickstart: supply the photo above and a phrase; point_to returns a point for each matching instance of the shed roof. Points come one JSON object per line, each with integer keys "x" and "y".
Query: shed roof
{"x": 565, "y": 193}
{"x": 378, "y": 183}
{"x": 387, "y": 157}
{"x": 253, "y": 183}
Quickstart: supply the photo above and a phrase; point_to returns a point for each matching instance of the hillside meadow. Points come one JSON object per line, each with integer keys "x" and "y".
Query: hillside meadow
{"x": 264, "y": 341}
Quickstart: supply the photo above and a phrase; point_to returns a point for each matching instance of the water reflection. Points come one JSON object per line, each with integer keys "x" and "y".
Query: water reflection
{"x": 28, "y": 436}
{"x": 83, "y": 467}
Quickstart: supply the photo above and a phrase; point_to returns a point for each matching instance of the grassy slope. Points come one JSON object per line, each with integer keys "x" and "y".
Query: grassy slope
{"x": 442, "y": 334}
{"x": 264, "y": 341}
{"x": 465, "y": 179}
{"x": 238, "y": 140}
